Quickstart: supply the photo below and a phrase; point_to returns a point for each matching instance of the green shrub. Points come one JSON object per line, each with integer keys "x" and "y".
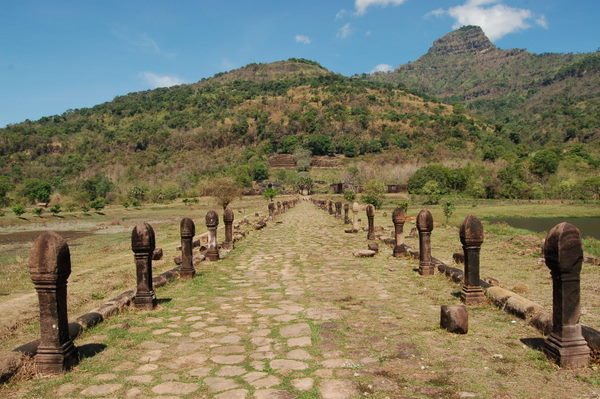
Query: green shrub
{"x": 269, "y": 193}
{"x": 18, "y": 209}
{"x": 97, "y": 204}
{"x": 436, "y": 173}
{"x": 350, "y": 195}
{"x": 448, "y": 208}
{"x": 373, "y": 193}
{"x": 55, "y": 209}
{"x": 544, "y": 162}
{"x": 38, "y": 212}
{"x": 432, "y": 191}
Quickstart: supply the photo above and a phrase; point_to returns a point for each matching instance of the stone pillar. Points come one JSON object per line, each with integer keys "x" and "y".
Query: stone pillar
{"x": 355, "y": 210}
{"x": 271, "y": 210}
{"x": 564, "y": 254}
{"x": 187, "y": 230}
{"x": 425, "y": 226}
{"x": 278, "y": 207}
{"x": 398, "y": 218}
{"x": 228, "y": 220}
{"x": 330, "y": 207}
{"x": 142, "y": 245}
{"x": 338, "y": 210}
{"x": 212, "y": 221}
{"x": 471, "y": 237}
{"x": 346, "y": 217}
{"x": 371, "y": 219}
{"x": 50, "y": 267}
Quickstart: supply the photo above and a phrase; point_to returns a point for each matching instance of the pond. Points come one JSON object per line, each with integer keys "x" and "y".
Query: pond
{"x": 589, "y": 226}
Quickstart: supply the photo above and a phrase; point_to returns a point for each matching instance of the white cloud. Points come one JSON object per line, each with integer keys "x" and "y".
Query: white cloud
{"x": 542, "y": 21}
{"x": 496, "y": 19}
{"x": 302, "y": 39}
{"x": 382, "y": 68}
{"x": 362, "y": 5}
{"x": 341, "y": 14}
{"x": 368, "y": 33}
{"x": 141, "y": 40}
{"x": 344, "y": 31}
{"x": 156, "y": 80}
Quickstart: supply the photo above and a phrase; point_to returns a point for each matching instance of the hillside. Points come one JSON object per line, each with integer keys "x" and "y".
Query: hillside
{"x": 537, "y": 99}
{"x": 173, "y": 139}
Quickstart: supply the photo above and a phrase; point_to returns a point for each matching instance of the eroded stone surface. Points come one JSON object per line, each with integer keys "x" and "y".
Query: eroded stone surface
{"x": 338, "y": 389}
{"x": 177, "y": 388}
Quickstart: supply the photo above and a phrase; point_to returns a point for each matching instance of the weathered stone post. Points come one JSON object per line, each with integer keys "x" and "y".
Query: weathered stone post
{"x": 50, "y": 267}
{"x": 338, "y": 210}
{"x": 142, "y": 245}
{"x": 187, "y": 230}
{"x": 330, "y": 207}
{"x": 228, "y": 220}
{"x": 371, "y": 220}
{"x": 564, "y": 254}
{"x": 346, "y": 217}
{"x": 471, "y": 237}
{"x": 425, "y": 226}
{"x": 278, "y": 207}
{"x": 355, "y": 210}
{"x": 271, "y": 210}
{"x": 212, "y": 221}
{"x": 398, "y": 218}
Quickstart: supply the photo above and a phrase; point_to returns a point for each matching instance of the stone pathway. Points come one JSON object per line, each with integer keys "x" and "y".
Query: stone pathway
{"x": 291, "y": 313}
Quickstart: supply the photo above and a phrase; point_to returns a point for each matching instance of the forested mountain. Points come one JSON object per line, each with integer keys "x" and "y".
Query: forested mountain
{"x": 539, "y": 99}
{"x": 228, "y": 125}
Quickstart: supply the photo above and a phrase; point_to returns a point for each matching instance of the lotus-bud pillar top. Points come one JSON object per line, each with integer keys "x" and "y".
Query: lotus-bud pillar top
{"x": 228, "y": 217}
{"x": 471, "y": 237}
{"x": 371, "y": 219}
{"x": 425, "y": 227}
{"x": 50, "y": 267}
{"x": 338, "y": 209}
{"x": 187, "y": 231}
{"x": 563, "y": 253}
{"x": 142, "y": 245}
{"x": 398, "y": 218}
{"x": 212, "y": 221}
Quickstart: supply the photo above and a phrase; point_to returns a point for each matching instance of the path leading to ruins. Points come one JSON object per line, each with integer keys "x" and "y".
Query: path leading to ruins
{"x": 292, "y": 314}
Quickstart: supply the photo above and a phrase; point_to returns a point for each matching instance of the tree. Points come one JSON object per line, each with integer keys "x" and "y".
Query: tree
{"x": 304, "y": 182}
{"x": 18, "y": 209}
{"x": 97, "y": 186}
{"x": 55, "y": 209}
{"x": 448, "y": 208}
{"x": 373, "y": 193}
{"x": 432, "y": 190}
{"x": 436, "y": 173}
{"x": 259, "y": 171}
{"x": 318, "y": 144}
{"x": 269, "y": 193}
{"x": 224, "y": 190}
{"x": 137, "y": 193}
{"x": 6, "y": 186}
{"x": 544, "y": 162}
{"x": 37, "y": 190}
{"x": 97, "y": 204}
{"x": 303, "y": 159}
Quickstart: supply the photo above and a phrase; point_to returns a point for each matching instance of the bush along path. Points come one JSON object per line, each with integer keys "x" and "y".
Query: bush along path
{"x": 291, "y": 313}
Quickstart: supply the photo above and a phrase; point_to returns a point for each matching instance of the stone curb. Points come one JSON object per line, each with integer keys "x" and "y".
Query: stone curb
{"x": 11, "y": 362}
{"x": 512, "y": 303}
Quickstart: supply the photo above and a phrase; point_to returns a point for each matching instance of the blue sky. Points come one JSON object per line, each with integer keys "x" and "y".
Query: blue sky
{"x": 57, "y": 55}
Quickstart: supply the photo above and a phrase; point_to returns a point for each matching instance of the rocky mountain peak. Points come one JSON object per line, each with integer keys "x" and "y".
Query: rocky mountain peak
{"x": 468, "y": 39}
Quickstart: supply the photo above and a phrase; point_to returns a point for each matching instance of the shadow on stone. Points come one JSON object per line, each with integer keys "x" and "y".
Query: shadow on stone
{"x": 90, "y": 350}
{"x": 534, "y": 343}
{"x": 163, "y": 300}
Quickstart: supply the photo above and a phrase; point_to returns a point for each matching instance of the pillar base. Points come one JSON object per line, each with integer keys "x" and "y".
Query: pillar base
{"x": 472, "y": 295}
{"x": 187, "y": 273}
{"x": 426, "y": 270}
{"x": 399, "y": 251}
{"x": 212, "y": 254}
{"x": 568, "y": 352}
{"x": 227, "y": 245}
{"x": 145, "y": 301}
{"x": 56, "y": 360}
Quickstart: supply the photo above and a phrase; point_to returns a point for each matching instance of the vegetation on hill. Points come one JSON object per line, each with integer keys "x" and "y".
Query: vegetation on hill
{"x": 164, "y": 143}
{"x": 538, "y": 99}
